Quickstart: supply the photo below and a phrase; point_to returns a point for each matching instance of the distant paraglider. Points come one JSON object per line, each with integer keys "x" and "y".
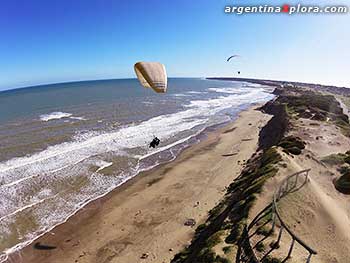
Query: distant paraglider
{"x": 233, "y": 56}
{"x": 152, "y": 75}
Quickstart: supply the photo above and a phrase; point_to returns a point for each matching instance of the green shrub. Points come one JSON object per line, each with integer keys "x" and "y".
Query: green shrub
{"x": 206, "y": 256}
{"x": 265, "y": 231}
{"x": 270, "y": 259}
{"x": 260, "y": 247}
{"x": 267, "y": 217}
{"x": 347, "y": 159}
{"x": 181, "y": 256}
{"x": 274, "y": 245}
{"x": 235, "y": 234}
{"x": 227, "y": 249}
{"x": 270, "y": 156}
{"x": 334, "y": 159}
{"x": 345, "y": 169}
{"x": 291, "y": 141}
{"x": 293, "y": 145}
{"x": 214, "y": 239}
{"x": 341, "y": 123}
{"x": 342, "y": 184}
{"x": 220, "y": 259}
{"x": 227, "y": 225}
{"x": 200, "y": 228}
{"x": 294, "y": 150}
{"x": 267, "y": 169}
{"x": 216, "y": 210}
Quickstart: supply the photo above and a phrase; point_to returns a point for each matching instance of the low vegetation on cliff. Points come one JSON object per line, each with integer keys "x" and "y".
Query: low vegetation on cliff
{"x": 342, "y": 162}
{"x": 227, "y": 220}
{"x": 216, "y": 240}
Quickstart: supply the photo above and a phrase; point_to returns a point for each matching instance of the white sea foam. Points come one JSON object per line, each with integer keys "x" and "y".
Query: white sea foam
{"x": 59, "y": 115}
{"x": 68, "y": 160}
{"x": 179, "y": 95}
{"x": 78, "y": 118}
{"x": 55, "y": 116}
{"x": 251, "y": 85}
{"x": 196, "y": 92}
{"x": 103, "y": 165}
{"x": 230, "y": 90}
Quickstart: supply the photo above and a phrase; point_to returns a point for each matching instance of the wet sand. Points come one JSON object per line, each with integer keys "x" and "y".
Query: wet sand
{"x": 143, "y": 220}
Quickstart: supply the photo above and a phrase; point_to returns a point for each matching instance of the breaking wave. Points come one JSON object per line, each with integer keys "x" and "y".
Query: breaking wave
{"x": 56, "y": 115}
{"x": 79, "y": 165}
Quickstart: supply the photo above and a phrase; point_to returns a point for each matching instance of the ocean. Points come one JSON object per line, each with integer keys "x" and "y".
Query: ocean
{"x": 64, "y": 145}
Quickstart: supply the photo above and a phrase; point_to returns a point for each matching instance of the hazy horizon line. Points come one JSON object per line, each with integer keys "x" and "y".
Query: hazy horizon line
{"x": 77, "y": 81}
{"x": 91, "y": 80}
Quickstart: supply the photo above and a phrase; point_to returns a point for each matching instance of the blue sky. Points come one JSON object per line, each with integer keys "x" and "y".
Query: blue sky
{"x": 57, "y": 41}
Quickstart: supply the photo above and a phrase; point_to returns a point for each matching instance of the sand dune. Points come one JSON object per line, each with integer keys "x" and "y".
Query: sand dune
{"x": 317, "y": 213}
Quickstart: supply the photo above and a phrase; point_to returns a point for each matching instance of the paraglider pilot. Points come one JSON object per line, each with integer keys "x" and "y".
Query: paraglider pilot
{"x": 155, "y": 142}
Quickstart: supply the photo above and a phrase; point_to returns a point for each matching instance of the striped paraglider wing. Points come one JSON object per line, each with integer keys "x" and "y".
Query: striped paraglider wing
{"x": 152, "y": 75}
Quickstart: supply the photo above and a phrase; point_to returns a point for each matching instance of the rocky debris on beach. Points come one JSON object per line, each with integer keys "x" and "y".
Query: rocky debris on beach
{"x": 76, "y": 244}
{"x": 138, "y": 212}
{"x": 190, "y": 222}
{"x": 229, "y": 154}
{"x": 40, "y": 246}
{"x": 144, "y": 256}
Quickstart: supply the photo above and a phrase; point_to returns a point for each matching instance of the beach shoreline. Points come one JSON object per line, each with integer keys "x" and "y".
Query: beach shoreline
{"x": 138, "y": 217}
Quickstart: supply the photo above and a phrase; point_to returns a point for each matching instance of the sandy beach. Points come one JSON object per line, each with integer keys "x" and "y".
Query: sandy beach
{"x": 143, "y": 220}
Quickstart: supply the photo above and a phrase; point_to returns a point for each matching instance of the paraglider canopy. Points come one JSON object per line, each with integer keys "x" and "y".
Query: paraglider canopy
{"x": 152, "y": 75}
{"x": 233, "y": 56}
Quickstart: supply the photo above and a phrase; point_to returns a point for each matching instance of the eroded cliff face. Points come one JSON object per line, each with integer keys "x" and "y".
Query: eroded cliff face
{"x": 274, "y": 130}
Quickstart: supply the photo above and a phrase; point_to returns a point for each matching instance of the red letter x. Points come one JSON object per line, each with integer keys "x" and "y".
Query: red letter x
{"x": 285, "y": 8}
